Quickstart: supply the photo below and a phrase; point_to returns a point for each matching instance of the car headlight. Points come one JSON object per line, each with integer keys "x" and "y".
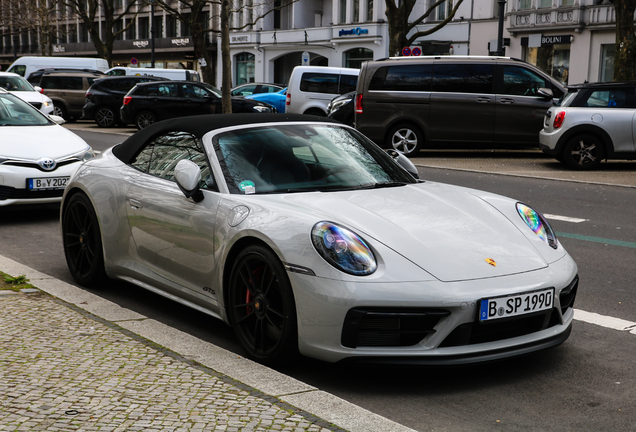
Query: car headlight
{"x": 343, "y": 249}
{"x": 537, "y": 223}
{"x": 260, "y": 108}
{"x": 338, "y": 104}
{"x": 86, "y": 154}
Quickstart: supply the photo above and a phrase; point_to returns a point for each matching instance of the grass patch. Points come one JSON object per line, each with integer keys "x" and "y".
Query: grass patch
{"x": 14, "y": 283}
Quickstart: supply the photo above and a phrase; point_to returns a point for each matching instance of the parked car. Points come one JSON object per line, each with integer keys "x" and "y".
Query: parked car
{"x": 277, "y": 99}
{"x": 406, "y": 103}
{"x": 255, "y": 88}
{"x": 311, "y": 88}
{"x": 594, "y": 121}
{"x": 67, "y": 90}
{"x": 166, "y": 74}
{"x": 147, "y": 103}
{"x": 341, "y": 108}
{"x": 20, "y": 87}
{"x": 305, "y": 237}
{"x": 106, "y": 96}
{"x": 37, "y": 156}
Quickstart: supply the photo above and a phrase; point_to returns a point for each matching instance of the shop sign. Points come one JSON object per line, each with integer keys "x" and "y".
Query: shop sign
{"x": 555, "y": 40}
{"x": 240, "y": 39}
{"x": 140, "y": 44}
{"x": 180, "y": 42}
{"x": 353, "y": 32}
{"x": 59, "y": 48}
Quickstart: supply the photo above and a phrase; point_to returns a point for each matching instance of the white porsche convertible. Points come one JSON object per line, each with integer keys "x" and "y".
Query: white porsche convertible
{"x": 307, "y": 238}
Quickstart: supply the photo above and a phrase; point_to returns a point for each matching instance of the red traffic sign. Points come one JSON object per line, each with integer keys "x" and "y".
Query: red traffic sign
{"x": 416, "y": 51}
{"x": 133, "y": 61}
{"x": 406, "y": 51}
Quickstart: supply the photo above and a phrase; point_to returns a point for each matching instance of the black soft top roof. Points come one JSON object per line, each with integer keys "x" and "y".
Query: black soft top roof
{"x": 202, "y": 124}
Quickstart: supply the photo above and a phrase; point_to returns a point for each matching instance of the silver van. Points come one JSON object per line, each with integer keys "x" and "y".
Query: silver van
{"x": 407, "y": 103}
{"x": 311, "y": 88}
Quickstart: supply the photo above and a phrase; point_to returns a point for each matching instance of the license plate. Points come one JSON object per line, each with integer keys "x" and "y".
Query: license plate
{"x": 47, "y": 183}
{"x": 520, "y": 304}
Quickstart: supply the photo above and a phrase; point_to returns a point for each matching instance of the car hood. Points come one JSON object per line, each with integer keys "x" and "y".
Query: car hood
{"x": 35, "y": 142}
{"x": 447, "y": 231}
{"x": 30, "y": 96}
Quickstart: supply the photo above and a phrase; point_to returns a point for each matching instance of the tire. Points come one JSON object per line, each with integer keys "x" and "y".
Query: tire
{"x": 105, "y": 117}
{"x": 145, "y": 119}
{"x": 583, "y": 152}
{"x": 60, "y": 110}
{"x": 82, "y": 242}
{"x": 261, "y": 307}
{"x": 405, "y": 139}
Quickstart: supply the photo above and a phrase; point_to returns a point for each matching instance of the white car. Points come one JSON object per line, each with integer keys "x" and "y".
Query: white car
{"x": 37, "y": 156}
{"x": 20, "y": 87}
{"x": 305, "y": 236}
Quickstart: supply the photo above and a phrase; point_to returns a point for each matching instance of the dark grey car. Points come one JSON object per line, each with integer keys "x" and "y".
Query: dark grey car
{"x": 406, "y": 102}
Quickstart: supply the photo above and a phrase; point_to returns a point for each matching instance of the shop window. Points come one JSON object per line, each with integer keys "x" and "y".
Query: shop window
{"x": 244, "y": 68}
{"x": 355, "y": 57}
{"x": 608, "y": 53}
{"x": 552, "y": 59}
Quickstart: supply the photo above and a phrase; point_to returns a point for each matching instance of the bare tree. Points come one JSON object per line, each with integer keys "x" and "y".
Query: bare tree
{"x": 625, "y": 58}
{"x": 400, "y": 26}
{"x": 37, "y": 17}
{"x": 90, "y": 12}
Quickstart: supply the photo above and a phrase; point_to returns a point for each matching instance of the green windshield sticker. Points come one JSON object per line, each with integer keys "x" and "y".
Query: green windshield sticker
{"x": 247, "y": 186}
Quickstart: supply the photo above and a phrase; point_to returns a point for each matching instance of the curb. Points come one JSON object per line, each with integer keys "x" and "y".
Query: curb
{"x": 266, "y": 383}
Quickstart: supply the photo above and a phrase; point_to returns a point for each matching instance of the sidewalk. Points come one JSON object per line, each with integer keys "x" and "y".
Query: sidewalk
{"x": 72, "y": 361}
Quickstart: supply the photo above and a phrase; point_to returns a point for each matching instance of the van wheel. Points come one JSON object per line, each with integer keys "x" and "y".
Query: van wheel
{"x": 405, "y": 139}
{"x": 60, "y": 111}
{"x": 105, "y": 117}
{"x": 145, "y": 119}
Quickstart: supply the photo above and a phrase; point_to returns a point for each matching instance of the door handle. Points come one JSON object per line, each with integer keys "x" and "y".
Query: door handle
{"x": 483, "y": 99}
{"x": 506, "y": 101}
{"x": 134, "y": 204}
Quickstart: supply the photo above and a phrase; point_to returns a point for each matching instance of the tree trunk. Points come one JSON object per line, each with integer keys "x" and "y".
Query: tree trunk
{"x": 625, "y": 59}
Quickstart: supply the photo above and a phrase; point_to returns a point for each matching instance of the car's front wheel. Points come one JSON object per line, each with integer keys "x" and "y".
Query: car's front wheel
{"x": 145, "y": 119}
{"x": 405, "y": 139}
{"x": 583, "y": 152}
{"x": 82, "y": 241}
{"x": 105, "y": 117}
{"x": 261, "y": 306}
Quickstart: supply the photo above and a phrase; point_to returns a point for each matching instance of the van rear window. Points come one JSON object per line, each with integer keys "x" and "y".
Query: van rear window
{"x": 403, "y": 78}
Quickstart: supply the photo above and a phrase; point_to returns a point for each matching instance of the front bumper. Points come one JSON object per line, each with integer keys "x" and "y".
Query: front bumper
{"x": 14, "y": 184}
{"x": 323, "y": 322}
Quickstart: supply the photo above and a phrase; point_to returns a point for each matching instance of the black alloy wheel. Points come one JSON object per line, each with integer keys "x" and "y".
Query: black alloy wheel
{"x": 583, "y": 152}
{"x": 145, "y": 119}
{"x": 105, "y": 117}
{"x": 262, "y": 308}
{"x": 82, "y": 241}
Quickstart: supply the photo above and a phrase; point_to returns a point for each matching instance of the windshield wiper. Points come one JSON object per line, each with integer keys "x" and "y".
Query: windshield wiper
{"x": 382, "y": 185}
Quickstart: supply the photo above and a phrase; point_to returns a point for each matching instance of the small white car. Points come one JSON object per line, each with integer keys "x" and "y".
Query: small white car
{"x": 20, "y": 87}
{"x": 306, "y": 237}
{"x": 593, "y": 122}
{"x": 37, "y": 156}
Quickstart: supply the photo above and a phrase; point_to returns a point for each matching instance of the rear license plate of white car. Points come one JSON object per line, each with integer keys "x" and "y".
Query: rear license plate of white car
{"x": 47, "y": 183}
{"x": 520, "y": 304}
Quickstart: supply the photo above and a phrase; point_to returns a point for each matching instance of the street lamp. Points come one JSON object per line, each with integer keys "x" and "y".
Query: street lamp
{"x": 500, "y": 48}
{"x": 152, "y": 32}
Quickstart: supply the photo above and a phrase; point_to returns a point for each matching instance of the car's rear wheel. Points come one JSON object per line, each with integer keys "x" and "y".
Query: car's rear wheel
{"x": 583, "y": 152}
{"x": 262, "y": 308}
{"x": 82, "y": 241}
{"x": 105, "y": 117}
{"x": 406, "y": 139}
{"x": 145, "y": 119}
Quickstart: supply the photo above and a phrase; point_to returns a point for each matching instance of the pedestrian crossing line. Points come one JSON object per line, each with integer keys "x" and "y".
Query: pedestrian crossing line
{"x": 605, "y": 321}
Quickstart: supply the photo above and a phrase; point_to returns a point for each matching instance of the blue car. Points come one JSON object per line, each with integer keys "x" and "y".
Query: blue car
{"x": 276, "y": 99}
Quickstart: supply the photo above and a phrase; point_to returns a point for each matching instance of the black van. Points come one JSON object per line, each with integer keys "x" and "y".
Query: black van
{"x": 405, "y": 102}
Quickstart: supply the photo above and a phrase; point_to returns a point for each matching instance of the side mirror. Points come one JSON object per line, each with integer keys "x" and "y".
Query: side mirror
{"x": 404, "y": 162}
{"x": 545, "y": 93}
{"x": 38, "y": 89}
{"x": 57, "y": 119}
{"x": 188, "y": 176}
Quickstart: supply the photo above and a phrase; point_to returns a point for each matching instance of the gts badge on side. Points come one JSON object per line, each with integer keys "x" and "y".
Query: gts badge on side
{"x": 210, "y": 290}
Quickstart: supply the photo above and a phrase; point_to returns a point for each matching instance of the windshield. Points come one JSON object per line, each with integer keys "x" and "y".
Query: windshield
{"x": 304, "y": 158}
{"x": 15, "y": 112}
{"x": 14, "y": 83}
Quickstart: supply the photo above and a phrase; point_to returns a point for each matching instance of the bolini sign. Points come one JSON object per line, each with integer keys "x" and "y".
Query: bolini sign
{"x": 555, "y": 40}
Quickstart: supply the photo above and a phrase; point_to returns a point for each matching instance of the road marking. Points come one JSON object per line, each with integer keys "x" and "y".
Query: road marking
{"x": 605, "y": 321}
{"x": 597, "y": 240}
{"x": 563, "y": 218}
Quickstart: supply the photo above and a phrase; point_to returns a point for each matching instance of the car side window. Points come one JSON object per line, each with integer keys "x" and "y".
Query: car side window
{"x": 62, "y": 83}
{"x": 192, "y": 91}
{"x": 245, "y": 91}
{"x": 463, "y": 78}
{"x": 613, "y": 98}
{"x": 160, "y": 156}
{"x": 403, "y": 78}
{"x": 519, "y": 81}
{"x": 319, "y": 83}
{"x": 168, "y": 90}
{"x": 348, "y": 83}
